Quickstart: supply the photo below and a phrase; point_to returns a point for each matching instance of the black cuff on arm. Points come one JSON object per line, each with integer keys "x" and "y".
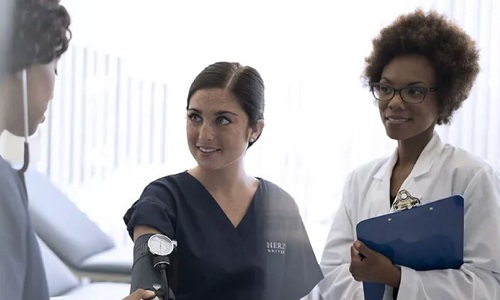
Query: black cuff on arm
{"x": 143, "y": 274}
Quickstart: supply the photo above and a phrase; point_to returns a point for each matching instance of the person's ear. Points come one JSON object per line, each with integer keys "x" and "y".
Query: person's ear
{"x": 257, "y": 130}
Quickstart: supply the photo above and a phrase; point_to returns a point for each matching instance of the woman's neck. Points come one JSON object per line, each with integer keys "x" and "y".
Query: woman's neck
{"x": 229, "y": 178}
{"x": 409, "y": 150}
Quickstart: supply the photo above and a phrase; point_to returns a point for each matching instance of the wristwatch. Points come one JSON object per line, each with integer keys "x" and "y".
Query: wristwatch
{"x": 161, "y": 245}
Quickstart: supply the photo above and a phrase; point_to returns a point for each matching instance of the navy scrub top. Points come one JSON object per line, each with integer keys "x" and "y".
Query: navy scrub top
{"x": 267, "y": 256}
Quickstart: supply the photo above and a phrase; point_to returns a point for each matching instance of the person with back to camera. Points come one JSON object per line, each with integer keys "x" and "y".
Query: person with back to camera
{"x": 238, "y": 236}
{"x": 422, "y": 67}
{"x": 39, "y": 36}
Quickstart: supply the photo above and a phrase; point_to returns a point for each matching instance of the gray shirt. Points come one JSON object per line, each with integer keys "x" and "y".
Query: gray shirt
{"x": 22, "y": 275}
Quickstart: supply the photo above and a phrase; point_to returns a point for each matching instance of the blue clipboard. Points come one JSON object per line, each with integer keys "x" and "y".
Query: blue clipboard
{"x": 426, "y": 237}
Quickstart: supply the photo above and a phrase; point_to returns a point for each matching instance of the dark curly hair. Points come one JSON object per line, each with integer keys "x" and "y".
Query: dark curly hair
{"x": 40, "y": 33}
{"x": 451, "y": 51}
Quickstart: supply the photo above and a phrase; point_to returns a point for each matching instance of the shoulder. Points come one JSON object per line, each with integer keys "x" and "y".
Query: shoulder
{"x": 14, "y": 218}
{"x": 6, "y": 173}
{"x": 471, "y": 173}
{"x": 463, "y": 164}
{"x": 158, "y": 200}
{"x": 370, "y": 167}
{"x": 10, "y": 189}
{"x": 168, "y": 182}
{"x": 172, "y": 178}
{"x": 165, "y": 189}
{"x": 276, "y": 197}
{"x": 274, "y": 190}
{"x": 367, "y": 171}
{"x": 463, "y": 159}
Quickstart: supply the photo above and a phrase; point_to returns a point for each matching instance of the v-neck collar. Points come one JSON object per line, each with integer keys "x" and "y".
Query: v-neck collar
{"x": 224, "y": 223}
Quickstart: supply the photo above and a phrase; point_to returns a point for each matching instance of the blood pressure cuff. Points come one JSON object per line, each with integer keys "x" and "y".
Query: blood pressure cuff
{"x": 144, "y": 275}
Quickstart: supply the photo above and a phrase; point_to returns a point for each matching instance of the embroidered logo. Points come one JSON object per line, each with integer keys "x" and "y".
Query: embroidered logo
{"x": 276, "y": 247}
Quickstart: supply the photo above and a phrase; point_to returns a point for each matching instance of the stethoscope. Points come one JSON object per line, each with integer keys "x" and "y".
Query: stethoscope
{"x": 26, "y": 155}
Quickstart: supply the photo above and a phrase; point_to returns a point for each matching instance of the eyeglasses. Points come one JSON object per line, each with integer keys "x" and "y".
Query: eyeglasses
{"x": 409, "y": 94}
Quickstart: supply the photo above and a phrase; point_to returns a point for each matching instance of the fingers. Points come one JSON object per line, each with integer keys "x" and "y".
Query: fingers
{"x": 140, "y": 294}
{"x": 355, "y": 266}
{"x": 360, "y": 246}
{"x": 363, "y": 250}
{"x": 358, "y": 254}
{"x": 359, "y": 250}
{"x": 354, "y": 254}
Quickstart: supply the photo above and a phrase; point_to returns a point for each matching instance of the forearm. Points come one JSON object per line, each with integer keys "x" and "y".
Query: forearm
{"x": 466, "y": 283}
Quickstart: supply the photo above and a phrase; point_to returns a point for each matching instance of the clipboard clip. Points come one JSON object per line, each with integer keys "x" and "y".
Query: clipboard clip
{"x": 404, "y": 200}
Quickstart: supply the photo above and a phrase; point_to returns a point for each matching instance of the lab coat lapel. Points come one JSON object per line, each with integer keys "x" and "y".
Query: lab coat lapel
{"x": 381, "y": 187}
{"x": 416, "y": 183}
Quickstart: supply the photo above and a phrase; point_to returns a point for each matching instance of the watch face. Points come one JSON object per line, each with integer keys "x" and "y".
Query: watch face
{"x": 160, "y": 244}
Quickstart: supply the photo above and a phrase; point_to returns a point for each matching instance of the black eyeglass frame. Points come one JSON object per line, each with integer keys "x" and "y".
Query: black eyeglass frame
{"x": 395, "y": 91}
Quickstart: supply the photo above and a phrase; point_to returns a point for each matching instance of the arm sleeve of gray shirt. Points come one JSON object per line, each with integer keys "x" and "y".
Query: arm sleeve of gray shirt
{"x": 13, "y": 236}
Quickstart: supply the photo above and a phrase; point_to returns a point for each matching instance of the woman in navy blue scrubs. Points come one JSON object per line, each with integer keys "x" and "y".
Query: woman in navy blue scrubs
{"x": 239, "y": 237}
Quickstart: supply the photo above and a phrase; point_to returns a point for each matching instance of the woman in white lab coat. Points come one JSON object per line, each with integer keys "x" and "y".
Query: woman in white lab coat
{"x": 421, "y": 69}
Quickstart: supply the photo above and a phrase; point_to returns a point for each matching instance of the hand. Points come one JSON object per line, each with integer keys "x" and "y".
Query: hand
{"x": 371, "y": 266}
{"x": 140, "y": 294}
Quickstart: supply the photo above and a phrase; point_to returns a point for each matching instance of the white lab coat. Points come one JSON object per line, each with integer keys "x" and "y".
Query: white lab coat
{"x": 440, "y": 171}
